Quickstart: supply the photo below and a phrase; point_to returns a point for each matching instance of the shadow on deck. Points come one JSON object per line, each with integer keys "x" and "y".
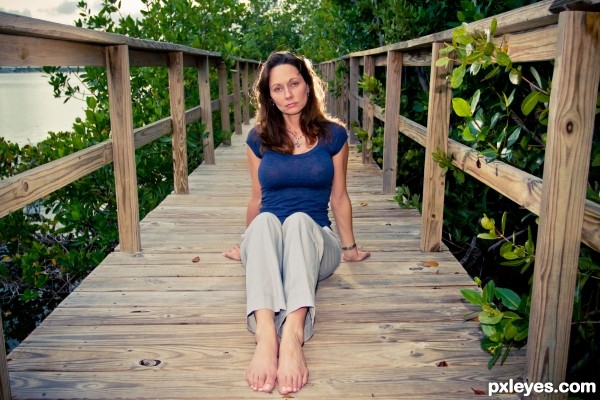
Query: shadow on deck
{"x": 168, "y": 323}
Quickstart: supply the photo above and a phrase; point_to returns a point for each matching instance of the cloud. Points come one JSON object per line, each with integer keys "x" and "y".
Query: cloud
{"x": 25, "y": 12}
{"x": 65, "y": 8}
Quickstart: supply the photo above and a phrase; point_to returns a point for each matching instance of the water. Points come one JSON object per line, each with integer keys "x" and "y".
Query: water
{"x": 29, "y": 110}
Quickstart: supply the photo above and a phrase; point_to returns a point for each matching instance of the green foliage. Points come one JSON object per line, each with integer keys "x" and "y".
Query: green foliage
{"x": 445, "y": 162}
{"x": 504, "y": 319}
{"x": 373, "y": 86}
{"x": 405, "y": 200}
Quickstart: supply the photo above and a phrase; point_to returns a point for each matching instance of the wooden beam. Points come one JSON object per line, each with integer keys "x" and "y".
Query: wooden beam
{"x": 237, "y": 103}
{"x": 204, "y": 89}
{"x": 177, "y": 101}
{"x": 353, "y": 95}
{"x": 245, "y": 95}
{"x": 438, "y": 130}
{"x": 566, "y": 167}
{"x": 224, "y": 97}
{"x": 121, "y": 121}
{"x": 392, "y": 109}
{"x": 368, "y": 112}
{"x": 5, "y": 393}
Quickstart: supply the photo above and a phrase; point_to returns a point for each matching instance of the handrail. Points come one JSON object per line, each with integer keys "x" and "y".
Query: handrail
{"x": 31, "y": 42}
{"x": 532, "y": 33}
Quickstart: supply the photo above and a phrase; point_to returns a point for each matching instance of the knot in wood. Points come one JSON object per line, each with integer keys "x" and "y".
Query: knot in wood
{"x": 23, "y": 54}
{"x": 25, "y": 186}
{"x": 149, "y": 362}
{"x": 570, "y": 127}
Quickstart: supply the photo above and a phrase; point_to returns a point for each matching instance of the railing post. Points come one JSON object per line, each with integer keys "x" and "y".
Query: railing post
{"x": 237, "y": 103}
{"x": 224, "y": 97}
{"x": 206, "y": 108}
{"x": 566, "y": 167}
{"x": 177, "y": 101}
{"x": 245, "y": 95}
{"x": 353, "y": 93}
{"x": 344, "y": 95}
{"x": 121, "y": 122}
{"x": 392, "y": 119}
{"x": 368, "y": 113}
{"x": 438, "y": 127}
{"x": 4, "y": 378}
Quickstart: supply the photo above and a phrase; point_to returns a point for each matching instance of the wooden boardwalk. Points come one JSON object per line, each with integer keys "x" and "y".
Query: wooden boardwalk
{"x": 168, "y": 323}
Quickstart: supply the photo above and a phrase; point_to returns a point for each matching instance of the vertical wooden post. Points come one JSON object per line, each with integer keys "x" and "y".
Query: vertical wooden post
{"x": 206, "y": 108}
{"x": 368, "y": 113}
{"x": 121, "y": 123}
{"x": 224, "y": 98}
{"x": 392, "y": 119}
{"x": 438, "y": 127}
{"x": 245, "y": 95}
{"x": 353, "y": 93}
{"x": 237, "y": 104}
{"x": 4, "y": 378}
{"x": 344, "y": 96}
{"x": 177, "y": 99}
{"x": 566, "y": 166}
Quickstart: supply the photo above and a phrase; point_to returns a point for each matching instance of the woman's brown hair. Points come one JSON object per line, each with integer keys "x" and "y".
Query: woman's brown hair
{"x": 269, "y": 119}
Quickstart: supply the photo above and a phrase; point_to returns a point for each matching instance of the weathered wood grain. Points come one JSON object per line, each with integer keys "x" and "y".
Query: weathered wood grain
{"x": 394, "y": 316}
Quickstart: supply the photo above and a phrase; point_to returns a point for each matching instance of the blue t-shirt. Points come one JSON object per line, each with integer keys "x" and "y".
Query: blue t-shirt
{"x": 298, "y": 182}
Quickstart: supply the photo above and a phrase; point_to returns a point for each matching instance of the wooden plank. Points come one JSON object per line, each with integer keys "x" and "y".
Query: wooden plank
{"x": 204, "y": 89}
{"x": 224, "y": 97}
{"x": 4, "y": 378}
{"x": 438, "y": 131}
{"x": 121, "y": 121}
{"x": 237, "y": 102}
{"x": 566, "y": 166}
{"x": 393, "y": 83}
{"x": 177, "y": 103}
{"x": 353, "y": 95}
{"x": 245, "y": 94}
{"x": 368, "y": 112}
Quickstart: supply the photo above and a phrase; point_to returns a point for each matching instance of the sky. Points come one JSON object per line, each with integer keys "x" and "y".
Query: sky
{"x": 62, "y": 11}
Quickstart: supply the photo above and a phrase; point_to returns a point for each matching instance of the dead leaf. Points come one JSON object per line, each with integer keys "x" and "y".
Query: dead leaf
{"x": 429, "y": 264}
{"x": 442, "y": 364}
{"x": 196, "y": 259}
{"x": 478, "y": 392}
{"x": 363, "y": 204}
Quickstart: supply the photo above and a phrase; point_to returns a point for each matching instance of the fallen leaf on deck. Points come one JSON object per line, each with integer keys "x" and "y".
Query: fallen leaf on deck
{"x": 442, "y": 364}
{"x": 479, "y": 392}
{"x": 362, "y": 204}
{"x": 196, "y": 259}
{"x": 429, "y": 263}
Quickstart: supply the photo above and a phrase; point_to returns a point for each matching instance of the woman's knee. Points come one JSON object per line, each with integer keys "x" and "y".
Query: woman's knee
{"x": 298, "y": 219}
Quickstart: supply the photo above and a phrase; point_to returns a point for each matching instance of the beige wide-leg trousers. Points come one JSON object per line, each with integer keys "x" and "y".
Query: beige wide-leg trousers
{"x": 284, "y": 263}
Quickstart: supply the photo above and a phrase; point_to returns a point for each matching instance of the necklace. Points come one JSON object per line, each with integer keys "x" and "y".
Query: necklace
{"x": 296, "y": 139}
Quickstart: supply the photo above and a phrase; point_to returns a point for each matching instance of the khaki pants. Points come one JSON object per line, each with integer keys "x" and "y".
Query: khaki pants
{"x": 284, "y": 263}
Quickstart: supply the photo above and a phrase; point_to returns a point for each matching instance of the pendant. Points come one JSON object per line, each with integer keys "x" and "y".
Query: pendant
{"x": 298, "y": 144}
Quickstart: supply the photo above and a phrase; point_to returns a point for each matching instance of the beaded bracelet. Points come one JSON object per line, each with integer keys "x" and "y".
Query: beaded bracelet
{"x": 352, "y": 246}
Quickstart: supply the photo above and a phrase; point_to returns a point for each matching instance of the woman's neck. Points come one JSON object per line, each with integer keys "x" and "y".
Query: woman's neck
{"x": 292, "y": 123}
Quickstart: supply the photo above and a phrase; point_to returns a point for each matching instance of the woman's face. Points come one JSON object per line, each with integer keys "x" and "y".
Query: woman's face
{"x": 288, "y": 89}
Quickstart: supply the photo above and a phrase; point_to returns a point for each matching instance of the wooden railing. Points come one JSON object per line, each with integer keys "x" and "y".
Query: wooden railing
{"x": 30, "y": 42}
{"x": 549, "y": 30}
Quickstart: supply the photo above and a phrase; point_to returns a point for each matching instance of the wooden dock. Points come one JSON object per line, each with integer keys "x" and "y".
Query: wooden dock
{"x": 168, "y": 323}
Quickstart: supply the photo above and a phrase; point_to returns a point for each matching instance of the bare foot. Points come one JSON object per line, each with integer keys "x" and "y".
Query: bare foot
{"x": 292, "y": 372}
{"x": 262, "y": 371}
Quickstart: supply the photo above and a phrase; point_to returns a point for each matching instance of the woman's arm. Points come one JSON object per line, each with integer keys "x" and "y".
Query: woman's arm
{"x": 256, "y": 195}
{"x": 253, "y": 203}
{"x": 342, "y": 208}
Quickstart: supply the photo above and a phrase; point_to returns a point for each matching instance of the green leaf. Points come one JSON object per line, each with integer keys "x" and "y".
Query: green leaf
{"x": 536, "y": 75}
{"x": 457, "y": 76}
{"x": 493, "y": 26}
{"x": 515, "y": 76}
{"x": 487, "y": 318}
{"x": 530, "y": 102}
{"x": 461, "y": 107}
{"x": 509, "y": 298}
{"x": 503, "y": 59}
{"x": 488, "y": 292}
{"x": 472, "y": 296}
{"x": 467, "y": 135}
{"x": 475, "y": 100}
{"x": 442, "y": 62}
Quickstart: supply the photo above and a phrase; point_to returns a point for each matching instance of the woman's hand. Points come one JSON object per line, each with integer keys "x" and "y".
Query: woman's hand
{"x": 233, "y": 253}
{"x": 355, "y": 255}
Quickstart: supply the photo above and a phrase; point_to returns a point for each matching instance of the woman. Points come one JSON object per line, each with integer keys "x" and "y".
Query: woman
{"x": 298, "y": 160}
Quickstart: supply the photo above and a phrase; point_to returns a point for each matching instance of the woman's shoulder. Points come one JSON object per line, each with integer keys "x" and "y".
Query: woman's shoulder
{"x": 338, "y": 135}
